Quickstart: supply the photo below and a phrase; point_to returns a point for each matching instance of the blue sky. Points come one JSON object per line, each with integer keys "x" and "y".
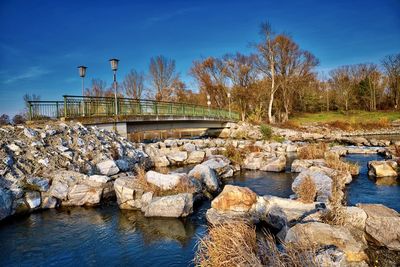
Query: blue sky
{"x": 42, "y": 42}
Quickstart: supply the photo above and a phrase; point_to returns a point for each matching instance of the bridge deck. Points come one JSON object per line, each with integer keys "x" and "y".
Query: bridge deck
{"x": 106, "y": 109}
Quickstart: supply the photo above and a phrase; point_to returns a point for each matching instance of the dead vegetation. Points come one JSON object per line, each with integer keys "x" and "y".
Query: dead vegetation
{"x": 334, "y": 162}
{"x": 335, "y": 214}
{"x": 354, "y": 126}
{"x": 184, "y": 186}
{"x": 233, "y": 154}
{"x": 307, "y": 190}
{"x": 312, "y": 151}
{"x": 237, "y": 244}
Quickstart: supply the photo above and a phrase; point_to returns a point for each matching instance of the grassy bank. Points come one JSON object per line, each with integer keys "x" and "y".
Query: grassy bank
{"x": 350, "y": 120}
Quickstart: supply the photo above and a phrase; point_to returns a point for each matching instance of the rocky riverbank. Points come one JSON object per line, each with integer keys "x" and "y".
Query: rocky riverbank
{"x": 51, "y": 165}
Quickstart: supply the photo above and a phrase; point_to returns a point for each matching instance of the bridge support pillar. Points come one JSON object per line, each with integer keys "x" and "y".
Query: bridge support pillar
{"x": 118, "y": 127}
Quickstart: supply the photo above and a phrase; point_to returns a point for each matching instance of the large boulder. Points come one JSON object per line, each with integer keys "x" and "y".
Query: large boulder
{"x": 264, "y": 161}
{"x": 322, "y": 182}
{"x": 38, "y": 183}
{"x": 218, "y": 163}
{"x": 179, "y": 205}
{"x": 108, "y": 167}
{"x": 33, "y": 199}
{"x": 322, "y": 234}
{"x": 207, "y": 176}
{"x": 299, "y": 165}
{"x": 282, "y": 212}
{"x": 129, "y": 193}
{"x": 164, "y": 181}
{"x": 195, "y": 157}
{"x": 234, "y": 198}
{"x": 82, "y": 194}
{"x": 5, "y": 203}
{"x": 177, "y": 157}
{"x": 382, "y": 225}
{"x": 382, "y": 168}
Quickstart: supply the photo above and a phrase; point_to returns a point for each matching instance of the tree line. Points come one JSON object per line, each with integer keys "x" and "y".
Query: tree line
{"x": 278, "y": 79}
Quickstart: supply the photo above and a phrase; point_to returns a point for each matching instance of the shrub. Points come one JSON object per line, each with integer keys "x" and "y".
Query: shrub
{"x": 313, "y": 151}
{"x": 233, "y": 154}
{"x": 335, "y": 215}
{"x": 114, "y": 151}
{"x": 266, "y": 131}
{"x": 278, "y": 138}
{"x": 290, "y": 125}
{"x": 307, "y": 190}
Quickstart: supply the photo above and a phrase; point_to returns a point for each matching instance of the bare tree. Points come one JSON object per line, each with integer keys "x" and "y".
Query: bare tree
{"x": 4, "y": 119}
{"x": 98, "y": 88}
{"x": 266, "y": 61}
{"x": 133, "y": 84}
{"x": 391, "y": 65}
{"x": 162, "y": 76}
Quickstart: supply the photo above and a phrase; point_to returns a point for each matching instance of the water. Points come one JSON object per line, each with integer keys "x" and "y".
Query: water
{"x": 107, "y": 236}
{"x": 364, "y": 189}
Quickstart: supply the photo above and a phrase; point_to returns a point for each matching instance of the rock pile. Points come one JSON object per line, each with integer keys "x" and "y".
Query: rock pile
{"x": 44, "y": 166}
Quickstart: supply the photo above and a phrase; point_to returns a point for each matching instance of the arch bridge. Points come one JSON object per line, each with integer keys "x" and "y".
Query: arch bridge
{"x": 127, "y": 115}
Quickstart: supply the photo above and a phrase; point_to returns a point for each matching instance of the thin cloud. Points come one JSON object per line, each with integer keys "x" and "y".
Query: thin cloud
{"x": 30, "y": 73}
{"x": 161, "y": 18}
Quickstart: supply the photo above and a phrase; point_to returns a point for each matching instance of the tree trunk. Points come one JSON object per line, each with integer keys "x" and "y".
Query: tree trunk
{"x": 271, "y": 100}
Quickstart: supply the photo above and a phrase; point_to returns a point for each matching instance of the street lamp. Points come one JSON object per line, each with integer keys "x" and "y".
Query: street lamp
{"x": 229, "y": 103}
{"x": 114, "y": 67}
{"x": 209, "y": 104}
{"x": 82, "y": 74}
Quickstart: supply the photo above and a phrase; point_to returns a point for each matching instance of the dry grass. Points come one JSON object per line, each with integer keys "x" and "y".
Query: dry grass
{"x": 335, "y": 215}
{"x": 397, "y": 150}
{"x": 313, "y": 151}
{"x": 236, "y": 244}
{"x": 184, "y": 186}
{"x": 334, "y": 162}
{"x": 307, "y": 191}
{"x": 353, "y": 126}
{"x": 252, "y": 148}
{"x": 290, "y": 125}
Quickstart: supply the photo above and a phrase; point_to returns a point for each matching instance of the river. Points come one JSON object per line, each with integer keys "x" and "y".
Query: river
{"x": 107, "y": 236}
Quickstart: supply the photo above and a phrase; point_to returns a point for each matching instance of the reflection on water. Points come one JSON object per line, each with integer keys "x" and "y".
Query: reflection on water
{"x": 364, "y": 189}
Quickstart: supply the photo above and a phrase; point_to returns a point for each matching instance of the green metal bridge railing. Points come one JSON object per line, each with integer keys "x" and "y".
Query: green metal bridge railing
{"x": 90, "y": 106}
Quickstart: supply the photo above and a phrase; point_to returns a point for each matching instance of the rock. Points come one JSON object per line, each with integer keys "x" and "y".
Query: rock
{"x": 8, "y": 161}
{"x": 48, "y": 202}
{"x": 275, "y": 164}
{"x": 13, "y": 147}
{"x": 123, "y": 165}
{"x": 161, "y": 161}
{"x": 382, "y": 225}
{"x": 216, "y": 217}
{"x": 170, "y": 143}
{"x": 33, "y": 199}
{"x": 39, "y": 183}
{"x": 322, "y": 182}
{"x": 5, "y": 203}
{"x": 99, "y": 178}
{"x": 164, "y": 181}
{"x": 207, "y": 176}
{"x": 59, "y": 190}
{"x": 234, "y": 198}
{"x": 382, "y": 168}
{"x": 331, "y": 256}
{"x": 282, "y": 212}
{"x": 108, "y": 167}
{"x": 82, "y": 194}
{"x": 30, "y": 133}
{"x": 177, "y": 157}
{"x": 179, "y": 205}
{"x": 129, "y": 194}
{"x": 355, "y": 217}
{"x": 62, "y": 148}
{"x": 195, "y": 157}
{"x": 323, "y": 234}
{"x": 189, "y": 147}
{"x": 44, "y": 162}
{"x": 299, "y": 165}
{"x": 219, "y": 164}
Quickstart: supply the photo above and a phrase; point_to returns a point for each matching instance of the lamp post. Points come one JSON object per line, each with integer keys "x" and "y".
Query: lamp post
{"x": 229, "y": 103}
{"x": 114, "y": 67}
{"x": 208, "y": 104}
{"x": 82, "y": 74}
